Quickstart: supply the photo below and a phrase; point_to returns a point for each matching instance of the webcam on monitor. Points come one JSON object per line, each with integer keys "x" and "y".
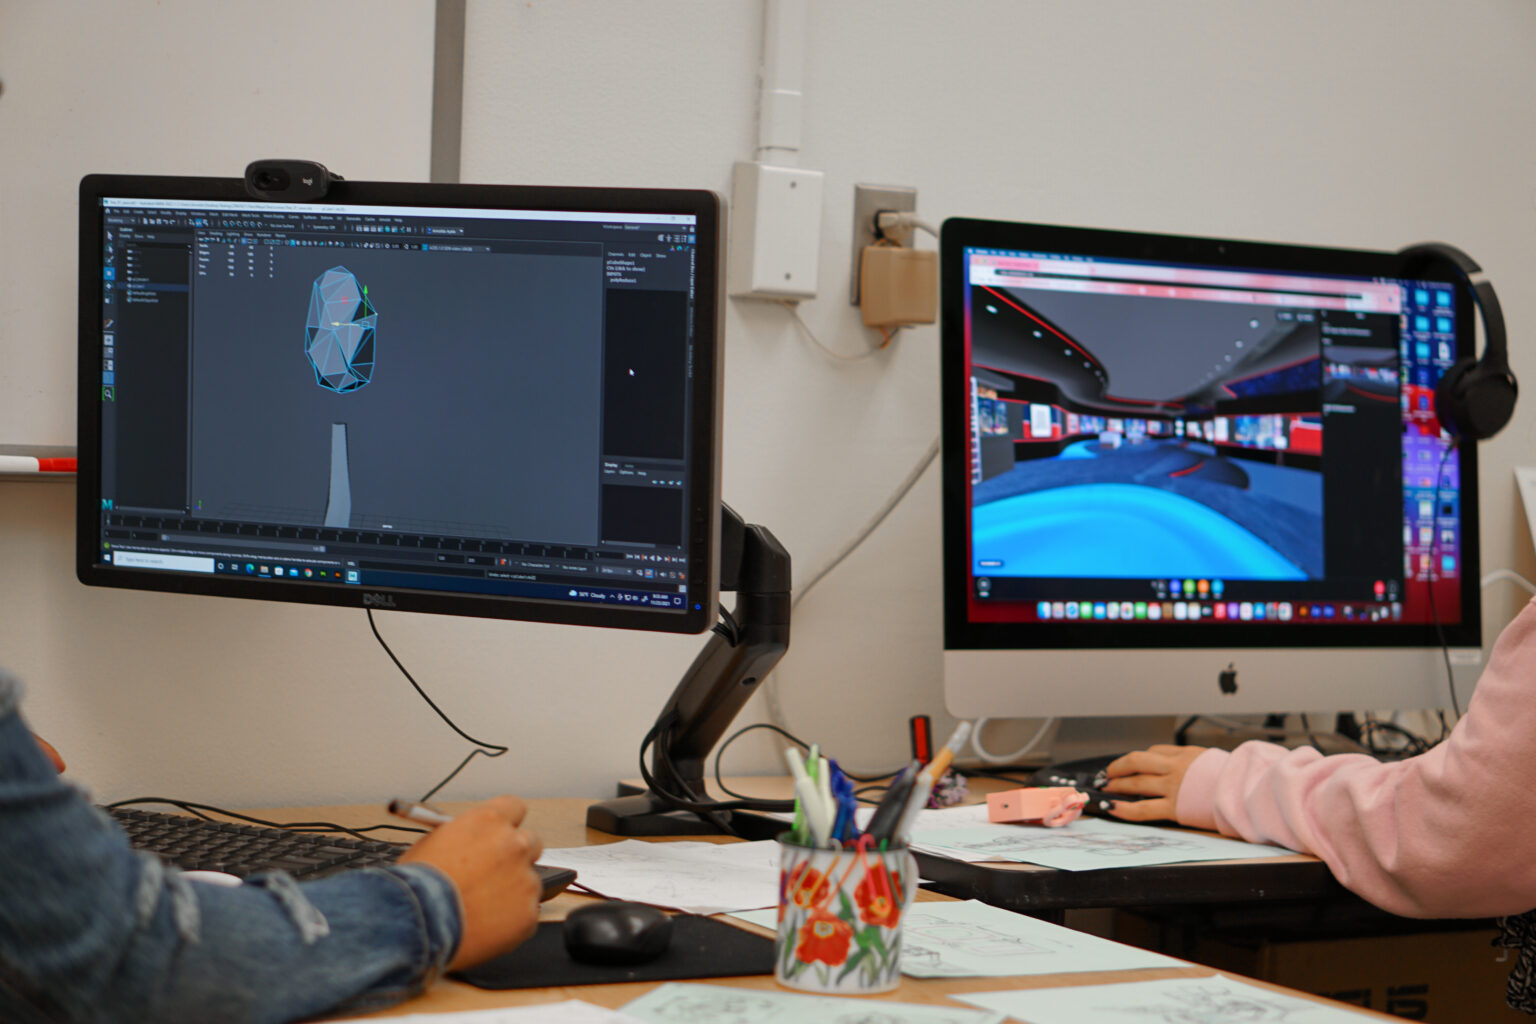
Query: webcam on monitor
{"x": 288, "y": 181}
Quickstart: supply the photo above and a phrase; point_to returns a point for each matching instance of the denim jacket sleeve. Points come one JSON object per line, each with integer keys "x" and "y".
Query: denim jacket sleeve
{"x": 92, "y": 931}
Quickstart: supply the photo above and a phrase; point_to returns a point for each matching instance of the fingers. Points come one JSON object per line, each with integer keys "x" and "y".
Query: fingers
{"x": 512, "y": 808}
{"x": 1138, "y": 762}
{"x": 1159, "y": 759}
{"x": 1140, "y": 785}
{"x": 533, "y": 844}
{"x": 1143, "y": 810}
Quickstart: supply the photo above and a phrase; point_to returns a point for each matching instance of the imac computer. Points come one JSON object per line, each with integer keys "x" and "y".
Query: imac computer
{"x": 1187, "y": 475}
{"x": 496, "y": 401}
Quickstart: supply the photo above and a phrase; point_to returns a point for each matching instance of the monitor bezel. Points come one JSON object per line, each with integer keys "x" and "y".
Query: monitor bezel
{"x": 703, "y": 439}
{"x": 962, "y": 634}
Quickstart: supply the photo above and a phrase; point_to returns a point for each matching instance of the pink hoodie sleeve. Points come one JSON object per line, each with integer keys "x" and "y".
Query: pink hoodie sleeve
{"x": 1450, "y": 833}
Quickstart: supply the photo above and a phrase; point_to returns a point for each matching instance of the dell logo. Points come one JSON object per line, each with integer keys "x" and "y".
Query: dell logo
{"x": 378, "y": 601}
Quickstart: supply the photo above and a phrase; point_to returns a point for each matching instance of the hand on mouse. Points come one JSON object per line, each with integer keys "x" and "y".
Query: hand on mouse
{"x": 53, "y": 755}
{"x": 1155, "y": 773}
{"x": 489, "y": 859}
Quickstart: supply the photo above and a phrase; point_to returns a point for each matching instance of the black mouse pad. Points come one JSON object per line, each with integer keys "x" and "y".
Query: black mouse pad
{"x": 701, "y": 947}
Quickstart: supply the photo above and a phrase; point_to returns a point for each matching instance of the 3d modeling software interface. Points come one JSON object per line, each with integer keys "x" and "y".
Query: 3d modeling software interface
{"x": 484, "y": 401}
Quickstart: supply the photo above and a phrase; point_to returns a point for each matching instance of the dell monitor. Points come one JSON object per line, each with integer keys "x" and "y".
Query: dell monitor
{"x": 476, "y": 400}
{"x": 1189, "y": 475}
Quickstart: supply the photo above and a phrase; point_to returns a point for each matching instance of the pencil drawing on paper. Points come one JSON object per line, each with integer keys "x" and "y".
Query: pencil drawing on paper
{"x": 709, "y": 1004}
{"x": 1204, "y": 1005}
{"x": 713, "y": 1006}
{"x": 1034, "y": 841}
{"x": 928, "y": 936}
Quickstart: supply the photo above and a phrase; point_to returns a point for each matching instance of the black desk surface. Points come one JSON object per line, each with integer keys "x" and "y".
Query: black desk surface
{"x": 1031, "y": 889}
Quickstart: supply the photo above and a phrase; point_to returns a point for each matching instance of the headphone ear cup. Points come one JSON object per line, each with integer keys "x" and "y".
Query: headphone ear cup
{"x": 1474, "y": 402}
{"x": 1489, "y": 400}
{"x": 1450, "y": 408}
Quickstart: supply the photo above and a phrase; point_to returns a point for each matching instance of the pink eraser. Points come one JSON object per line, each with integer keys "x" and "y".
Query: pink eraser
{"x": 1047, "y": 805}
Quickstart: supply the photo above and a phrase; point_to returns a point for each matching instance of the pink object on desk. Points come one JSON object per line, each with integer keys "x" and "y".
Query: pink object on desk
{"x": 1046, "y": 805}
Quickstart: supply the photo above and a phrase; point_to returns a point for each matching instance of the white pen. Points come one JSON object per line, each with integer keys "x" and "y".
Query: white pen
{"x": 824, "y": 790}
{"x": 951, "y": 749}
{"x": 925, "y": 781}
{"x": 411, "y": 810}
{"x": 810, "y": 800}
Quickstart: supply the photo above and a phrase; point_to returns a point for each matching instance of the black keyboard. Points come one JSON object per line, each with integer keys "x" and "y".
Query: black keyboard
{"x": 194, "y": 844}
{"x": 1086, "y": 775}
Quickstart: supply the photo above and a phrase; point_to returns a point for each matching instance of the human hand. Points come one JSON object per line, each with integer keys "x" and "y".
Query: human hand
{"x": 489, "y": 859}
{"x": 53, "y": 755}
{"x": 1155, "y": 773}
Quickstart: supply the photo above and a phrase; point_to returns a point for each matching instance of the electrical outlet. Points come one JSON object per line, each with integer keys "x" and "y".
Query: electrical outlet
{"x": 869, "y": 200}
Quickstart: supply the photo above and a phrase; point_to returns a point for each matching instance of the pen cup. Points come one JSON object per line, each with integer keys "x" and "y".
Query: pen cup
{"x": 840, "y": 913}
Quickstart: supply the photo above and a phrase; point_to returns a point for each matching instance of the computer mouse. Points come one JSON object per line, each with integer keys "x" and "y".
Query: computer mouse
{"x": 613, "y": 933}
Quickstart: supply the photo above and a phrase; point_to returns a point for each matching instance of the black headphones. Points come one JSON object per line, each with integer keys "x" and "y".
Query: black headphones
{"x": 1476, "y": 397}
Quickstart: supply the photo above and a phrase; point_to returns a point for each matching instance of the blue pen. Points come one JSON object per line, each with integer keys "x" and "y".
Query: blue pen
{"x": 851, "y": 802}
{"x": 842, "y": 793}
{"x": 840, "y": 823}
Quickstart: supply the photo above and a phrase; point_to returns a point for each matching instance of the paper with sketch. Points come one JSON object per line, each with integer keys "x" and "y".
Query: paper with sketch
{"x": 1217, "y": 1000}
{"x": 1086, "y": 844}
{"x": 702, "y": 878}
{"x": 676, "y": 1003}
{"x": 572, "y": 1011}
{"x": 968, "y": 939}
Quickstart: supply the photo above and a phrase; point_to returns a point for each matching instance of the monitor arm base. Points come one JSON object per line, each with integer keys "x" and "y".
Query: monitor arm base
{"x": 646, "y": 815}
{"x": 711, "y": 693}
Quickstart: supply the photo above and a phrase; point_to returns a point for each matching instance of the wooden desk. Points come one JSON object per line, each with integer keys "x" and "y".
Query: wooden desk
{"x": 561, "y": 823}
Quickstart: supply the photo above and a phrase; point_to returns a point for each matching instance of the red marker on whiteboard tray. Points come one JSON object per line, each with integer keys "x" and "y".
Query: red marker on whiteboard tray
{"x": 35, "y": 464}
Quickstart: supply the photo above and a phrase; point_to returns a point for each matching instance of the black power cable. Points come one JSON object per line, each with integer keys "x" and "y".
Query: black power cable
{"x": 481, "y": 747}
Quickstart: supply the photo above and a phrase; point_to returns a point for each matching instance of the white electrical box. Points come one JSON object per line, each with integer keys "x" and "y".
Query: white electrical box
{"x": 775, "y": 232}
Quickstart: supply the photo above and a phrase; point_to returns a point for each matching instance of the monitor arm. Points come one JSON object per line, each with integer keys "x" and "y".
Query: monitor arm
{"x": 724, "y": 676}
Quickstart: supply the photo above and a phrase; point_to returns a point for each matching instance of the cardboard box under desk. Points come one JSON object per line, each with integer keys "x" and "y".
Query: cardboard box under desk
{"x": 1451, "y": 976}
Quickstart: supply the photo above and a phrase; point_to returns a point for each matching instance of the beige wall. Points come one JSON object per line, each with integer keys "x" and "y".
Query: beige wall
{"x": 1375, "y": 123}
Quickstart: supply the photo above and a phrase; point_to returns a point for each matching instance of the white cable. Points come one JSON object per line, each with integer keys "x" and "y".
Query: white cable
{"x": 770, "y": 688}
{"x": 1012, "y": 757}
{"x": 897, "y": 225}
{"x": 805, "y": 329}
{"x": 1493, "y": 577}
{"x": 874, "y": 523}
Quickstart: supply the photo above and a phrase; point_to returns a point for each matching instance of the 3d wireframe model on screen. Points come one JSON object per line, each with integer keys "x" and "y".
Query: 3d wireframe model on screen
{"x": 339, "y": 343}
{"x": 339, "y": 334}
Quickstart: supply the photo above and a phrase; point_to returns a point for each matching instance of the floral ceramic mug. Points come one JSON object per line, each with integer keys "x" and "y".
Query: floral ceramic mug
{"x": 840, "y": 914}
